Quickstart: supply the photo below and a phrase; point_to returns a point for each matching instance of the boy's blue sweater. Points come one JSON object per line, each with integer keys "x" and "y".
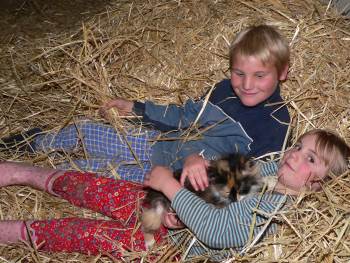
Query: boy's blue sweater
{"x": 266, "y": 125}
{"x": 225, "y": 126}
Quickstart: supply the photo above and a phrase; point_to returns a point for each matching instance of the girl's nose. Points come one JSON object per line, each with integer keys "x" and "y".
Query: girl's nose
{"x": 293, "y": 154}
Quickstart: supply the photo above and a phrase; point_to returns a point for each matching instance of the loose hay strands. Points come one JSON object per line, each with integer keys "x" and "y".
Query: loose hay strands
{"x": 169, "y": 51}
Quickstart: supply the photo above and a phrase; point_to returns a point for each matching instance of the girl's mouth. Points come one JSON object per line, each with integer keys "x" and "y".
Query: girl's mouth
{"x": 288, "y": 165}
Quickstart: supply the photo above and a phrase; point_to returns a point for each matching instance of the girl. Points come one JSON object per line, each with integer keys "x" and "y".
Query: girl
{"x": 304, "y": 167}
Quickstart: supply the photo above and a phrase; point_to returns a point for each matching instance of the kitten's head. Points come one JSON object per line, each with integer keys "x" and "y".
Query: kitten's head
{"x": 236, "y": 176}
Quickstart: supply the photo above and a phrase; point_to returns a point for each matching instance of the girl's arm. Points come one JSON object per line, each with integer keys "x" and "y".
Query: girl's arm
{"x": 221, "y": 228}
{"x": 217, "y": 228}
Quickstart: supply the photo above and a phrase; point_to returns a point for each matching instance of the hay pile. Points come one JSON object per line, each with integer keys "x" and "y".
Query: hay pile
{"x": 169, "y": 51}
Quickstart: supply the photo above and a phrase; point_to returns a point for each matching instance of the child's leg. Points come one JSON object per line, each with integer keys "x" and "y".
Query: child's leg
{"x": 88, "y": 236}
{"x": 99, "y": 140}
{"x": 66, "y": 139}
{"x": 112, "y": 168}
{"x": 134, "y": 173}
{"x": 23, "y": 174}
{"x": 11, "y": 231}
{"x": 21, "y": 142}
{"x": 118, "y": 199}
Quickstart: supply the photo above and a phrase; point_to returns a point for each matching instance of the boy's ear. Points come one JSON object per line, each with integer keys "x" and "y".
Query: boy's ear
{"x": 284, "y": 73}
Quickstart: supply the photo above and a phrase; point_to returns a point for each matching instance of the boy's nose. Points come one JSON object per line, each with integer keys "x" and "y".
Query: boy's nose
{"x": 247, "y": 83}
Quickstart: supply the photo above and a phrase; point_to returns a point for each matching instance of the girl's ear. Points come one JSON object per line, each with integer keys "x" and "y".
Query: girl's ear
{"x": 316, "y": 183}
{"x": 284, "y": 73}
{"x": 316, "y": 186}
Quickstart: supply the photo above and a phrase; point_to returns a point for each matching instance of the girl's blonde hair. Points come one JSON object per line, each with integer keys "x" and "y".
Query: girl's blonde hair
{"x": 264, "y": 43}
{"x": 332, "y": 149}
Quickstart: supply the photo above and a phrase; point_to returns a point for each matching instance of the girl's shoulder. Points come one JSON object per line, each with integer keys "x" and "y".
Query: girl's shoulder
{"x": 269, "y": 168}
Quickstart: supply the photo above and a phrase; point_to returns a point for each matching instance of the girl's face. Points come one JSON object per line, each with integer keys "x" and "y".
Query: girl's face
{"x": 302, "y": 167}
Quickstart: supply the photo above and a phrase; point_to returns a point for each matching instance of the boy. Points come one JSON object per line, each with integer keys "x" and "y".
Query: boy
{"x": 237, "y": 118}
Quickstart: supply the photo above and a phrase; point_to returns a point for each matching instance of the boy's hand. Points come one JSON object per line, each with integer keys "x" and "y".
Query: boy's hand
{"x": 123, "y": 106}
{"x": 161, "y": 179}
{"x": 195, "y": 168}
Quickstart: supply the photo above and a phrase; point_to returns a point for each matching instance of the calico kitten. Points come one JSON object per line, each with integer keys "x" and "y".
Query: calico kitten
{"x": 230, "y": 179}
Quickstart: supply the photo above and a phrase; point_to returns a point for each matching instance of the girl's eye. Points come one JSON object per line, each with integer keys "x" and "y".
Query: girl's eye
{"x": 311, "y": 159}
{"x": 297, "y": 146}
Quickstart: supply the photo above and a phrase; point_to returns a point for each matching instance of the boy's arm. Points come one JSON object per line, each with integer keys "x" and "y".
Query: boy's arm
{"x": 172, "y": 117}
{"x": 163, "y": 117}
{"x": 195, "y": 169}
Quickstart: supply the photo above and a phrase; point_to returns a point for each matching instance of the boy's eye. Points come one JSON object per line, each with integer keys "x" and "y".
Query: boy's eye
{"x": 260, "y": 75}
{"x": 239, "y": 73}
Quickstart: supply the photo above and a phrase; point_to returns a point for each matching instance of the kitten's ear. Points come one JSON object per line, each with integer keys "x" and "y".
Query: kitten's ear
{"x": 251, "y": 168}
{"x": 236, "y": 161}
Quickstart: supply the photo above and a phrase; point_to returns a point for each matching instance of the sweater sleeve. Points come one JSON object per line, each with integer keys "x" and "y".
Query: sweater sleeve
{"x": 174, "y": 117}
{"x": 166, "y": 117}
{"x": 268, "y": 168}
{"x": 226, "y": 227}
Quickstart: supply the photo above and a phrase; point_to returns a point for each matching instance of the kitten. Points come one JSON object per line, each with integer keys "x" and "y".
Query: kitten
{"x": 230, "y": 179}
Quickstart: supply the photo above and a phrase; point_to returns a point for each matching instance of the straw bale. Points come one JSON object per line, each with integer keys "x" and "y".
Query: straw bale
{"x": 169, "y": 51}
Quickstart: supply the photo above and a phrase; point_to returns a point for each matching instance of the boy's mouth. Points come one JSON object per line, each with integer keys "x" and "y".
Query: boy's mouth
{"x": 248, "y": 93}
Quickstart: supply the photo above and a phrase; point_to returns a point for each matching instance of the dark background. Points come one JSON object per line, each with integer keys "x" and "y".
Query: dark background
{"x": 32, "y": 19}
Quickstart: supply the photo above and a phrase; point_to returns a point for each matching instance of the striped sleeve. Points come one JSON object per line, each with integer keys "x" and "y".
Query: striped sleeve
{"x": 268, "y": 168}
{"x": 226, "y": 227}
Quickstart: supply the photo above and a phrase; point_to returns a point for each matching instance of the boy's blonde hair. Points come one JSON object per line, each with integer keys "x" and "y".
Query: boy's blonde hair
{"x": 332, "y": 149}
{"x": 264, "y": 43}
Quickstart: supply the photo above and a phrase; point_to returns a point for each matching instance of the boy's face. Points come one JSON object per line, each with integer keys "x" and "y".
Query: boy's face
{"x": 302, "y": 167}
{"x": 252, "y": 81}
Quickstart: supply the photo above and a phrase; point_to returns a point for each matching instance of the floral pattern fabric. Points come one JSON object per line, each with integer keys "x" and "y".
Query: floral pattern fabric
{"x": 118, "y": 199}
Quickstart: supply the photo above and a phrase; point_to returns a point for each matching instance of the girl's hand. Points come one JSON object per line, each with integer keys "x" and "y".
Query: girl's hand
{"x": 195, "y": 168}
{"x": 123, "y": 106}
{"x": 161, "y": 179}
